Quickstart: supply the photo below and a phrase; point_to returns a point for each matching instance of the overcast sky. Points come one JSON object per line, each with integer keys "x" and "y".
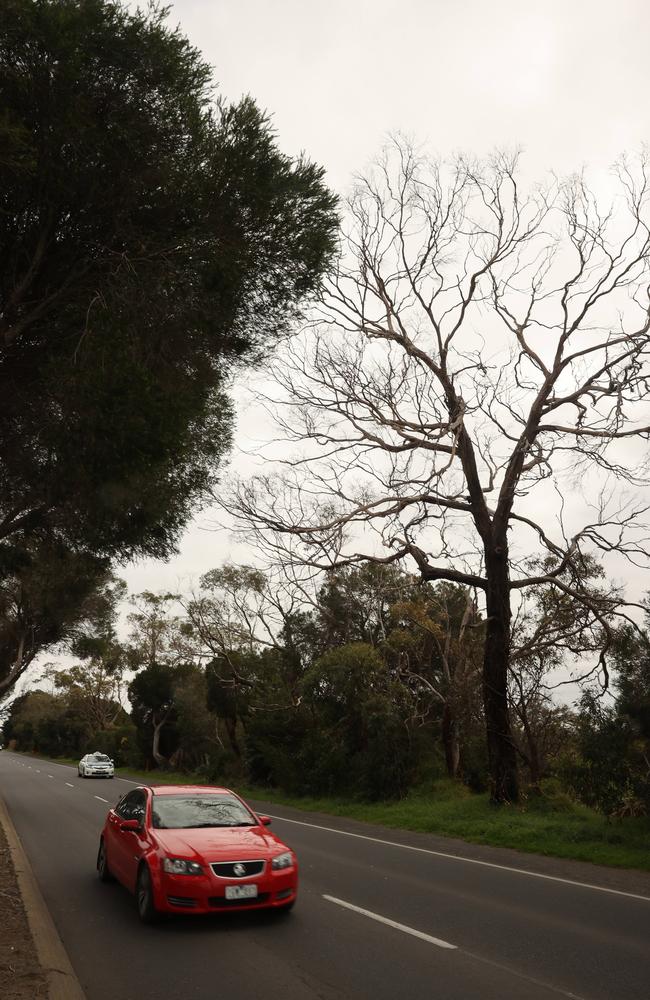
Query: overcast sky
{"x": 567, "y": 82}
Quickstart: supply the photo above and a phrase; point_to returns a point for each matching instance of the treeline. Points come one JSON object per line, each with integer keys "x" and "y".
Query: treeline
{"x": 369, "y": 687}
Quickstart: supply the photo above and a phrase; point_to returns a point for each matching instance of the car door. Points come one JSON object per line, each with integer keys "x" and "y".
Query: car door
{"x": 125, "y": 847}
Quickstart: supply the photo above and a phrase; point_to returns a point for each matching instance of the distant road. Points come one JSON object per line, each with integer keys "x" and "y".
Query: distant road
{"x": 379, "y": 916}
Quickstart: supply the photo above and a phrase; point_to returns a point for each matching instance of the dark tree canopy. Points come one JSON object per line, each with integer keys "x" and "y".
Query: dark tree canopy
{"x": 47, "y": 593}
{"x": 149, "y": 238}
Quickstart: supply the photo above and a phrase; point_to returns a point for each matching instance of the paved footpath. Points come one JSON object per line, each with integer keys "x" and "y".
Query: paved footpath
{"x": 382, "y": 915}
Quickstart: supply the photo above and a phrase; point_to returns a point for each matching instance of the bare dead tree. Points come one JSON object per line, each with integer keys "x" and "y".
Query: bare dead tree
{"x": 471, "y": 391}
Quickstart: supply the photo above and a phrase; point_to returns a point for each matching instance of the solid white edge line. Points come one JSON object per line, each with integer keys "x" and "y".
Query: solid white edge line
{"x": 101, "y": 799}
{"x": 392, "y": 923}
{"x": 459, "y": 857}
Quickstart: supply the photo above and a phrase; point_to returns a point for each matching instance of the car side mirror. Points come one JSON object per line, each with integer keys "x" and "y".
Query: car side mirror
{"x": 131, "y": 824}
{"x": 265, "y": 820}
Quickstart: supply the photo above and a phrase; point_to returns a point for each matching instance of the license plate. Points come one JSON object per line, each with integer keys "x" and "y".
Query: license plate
{"x": 241, "y": 891}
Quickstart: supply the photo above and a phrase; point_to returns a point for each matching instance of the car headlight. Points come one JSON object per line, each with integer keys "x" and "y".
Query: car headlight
{"x": 282, "y": 861}
{"x": 179, "y": 866}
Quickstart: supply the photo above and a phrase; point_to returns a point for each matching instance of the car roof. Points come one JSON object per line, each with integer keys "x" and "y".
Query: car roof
{"x": 193, "y": 789}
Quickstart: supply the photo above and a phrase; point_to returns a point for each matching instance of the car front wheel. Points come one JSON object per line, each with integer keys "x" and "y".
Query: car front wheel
{"x": 144, "y": 892}
{"x": 102, "y": 864}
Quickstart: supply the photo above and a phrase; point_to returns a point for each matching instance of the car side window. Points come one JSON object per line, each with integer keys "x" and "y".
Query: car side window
{"x": 123, "y": 806}
{"x": 139, "y": 807}
{"x": 132, "y": 806}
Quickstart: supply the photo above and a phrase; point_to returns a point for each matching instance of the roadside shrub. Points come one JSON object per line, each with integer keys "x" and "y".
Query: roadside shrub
{"x": 387, "y": 761}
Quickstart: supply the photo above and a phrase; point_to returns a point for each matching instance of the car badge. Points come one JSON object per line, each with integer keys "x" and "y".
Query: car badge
{"x": 239, "y": 869}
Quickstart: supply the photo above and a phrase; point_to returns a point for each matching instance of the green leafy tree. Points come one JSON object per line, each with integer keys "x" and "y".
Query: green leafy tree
{"x": 553, "y": 630}
{"x": 152, "y": 696}
{"x": 93, "y": 692}
{"x": 195, "y": 725}
{"x": 633, "y": 682}
{"x": 45, "y": 723}
{"x": 48, "y": 594}
{"x": 609, "y": 772}
{"x": 94, "y": 686}
{"x": 230, "y": 680}
{"x": 162, "y": 649}
{"x": 150, "y": 237}
{"x": 435, "y": 641}
{"x": 358, "y": 739}
{"x": 354, "y": 603}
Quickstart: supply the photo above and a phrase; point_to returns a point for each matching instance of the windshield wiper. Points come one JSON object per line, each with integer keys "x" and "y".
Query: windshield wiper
{"x": 201, "y": 826}
{"x": 220, "y": 826}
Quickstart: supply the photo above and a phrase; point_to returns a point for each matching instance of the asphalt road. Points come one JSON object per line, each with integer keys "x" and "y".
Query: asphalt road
{"x": 374, "y": 919}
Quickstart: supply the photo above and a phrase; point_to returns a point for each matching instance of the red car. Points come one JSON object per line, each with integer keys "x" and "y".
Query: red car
{"x": 195, "y": 849}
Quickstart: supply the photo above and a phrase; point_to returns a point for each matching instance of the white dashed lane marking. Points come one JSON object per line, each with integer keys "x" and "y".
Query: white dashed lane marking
{"x": 439, "y": 943}
{"x": 101, "y": 799}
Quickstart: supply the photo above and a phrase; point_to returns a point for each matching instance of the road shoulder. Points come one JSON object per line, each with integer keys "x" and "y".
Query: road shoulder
{"x": 45, "y": 968}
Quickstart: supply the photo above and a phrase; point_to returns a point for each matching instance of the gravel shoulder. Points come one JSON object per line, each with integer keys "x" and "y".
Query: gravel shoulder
{"x": 21, "y": 975}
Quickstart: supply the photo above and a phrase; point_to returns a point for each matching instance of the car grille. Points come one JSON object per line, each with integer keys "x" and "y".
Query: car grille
{"x": 225, "y": 869}
{"x": 234, "y": 903}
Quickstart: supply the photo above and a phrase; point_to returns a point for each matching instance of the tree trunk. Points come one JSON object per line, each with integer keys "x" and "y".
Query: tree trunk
{"x": 502, "y": 758}
{"x": 155, "y": 750}
{"x": 450, "y": 742}
{"x": 231, "y": 729}
{"x": 534, "y": 759}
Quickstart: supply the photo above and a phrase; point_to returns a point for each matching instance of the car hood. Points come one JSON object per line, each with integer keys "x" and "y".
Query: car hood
{"x": 220, "y": 843}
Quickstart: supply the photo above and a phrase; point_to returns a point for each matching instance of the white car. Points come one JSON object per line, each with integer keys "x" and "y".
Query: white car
{"x": 96, "y": 765}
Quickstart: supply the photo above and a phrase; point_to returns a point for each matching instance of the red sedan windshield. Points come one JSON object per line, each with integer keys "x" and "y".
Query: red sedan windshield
{"x": 184, "y": 812}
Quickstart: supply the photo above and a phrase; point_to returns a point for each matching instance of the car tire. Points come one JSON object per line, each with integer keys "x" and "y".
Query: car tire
{"x": 144, "y": 897}
{"x": 103, "y": 870}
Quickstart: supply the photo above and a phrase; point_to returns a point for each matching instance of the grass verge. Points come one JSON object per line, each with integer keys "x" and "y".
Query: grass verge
{"x": 551, "y": 825}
